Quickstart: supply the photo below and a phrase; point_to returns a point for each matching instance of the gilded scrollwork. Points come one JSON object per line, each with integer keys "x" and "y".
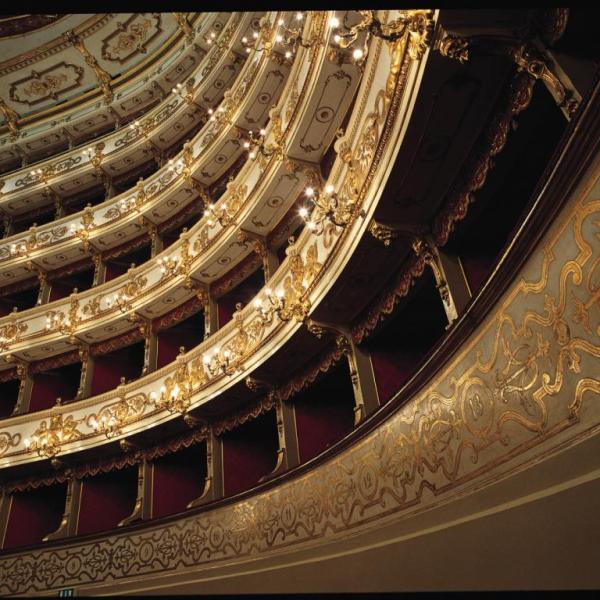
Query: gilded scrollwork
{"x": 111, "y": 419}
{"x": 48, "y": 439}
{"x": 8, "y": 441}
{"x": 521, "y": 379}
{"x": 11, "y": 332}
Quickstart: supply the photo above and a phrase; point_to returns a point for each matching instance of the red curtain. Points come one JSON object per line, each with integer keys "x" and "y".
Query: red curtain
{"x": 392, "y": 370}
{"x": 178, "y": 479}
{"x": 322, "y": 418}
{"x": 63, "y": 383}
{"x": 107, "y": 499}
{"x": 34, "y": 514}
{"x": 249, "y": 453}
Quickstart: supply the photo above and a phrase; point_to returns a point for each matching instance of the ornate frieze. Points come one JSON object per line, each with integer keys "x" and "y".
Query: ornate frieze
{"x": 519, "y": 389}
{"x": 225, "y": 356}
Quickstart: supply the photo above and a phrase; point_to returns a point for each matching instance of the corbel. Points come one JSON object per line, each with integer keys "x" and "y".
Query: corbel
{"x": 449, "y": 276}
{"x": 214, "y": 483}
{"x": 387, "y": 232}
{"x": 25, "y": 384}
{"x": 143, "y": 503}
{"x": 530, "y": 56}
{"x": 259, "y": 244}
{"x": 68, "y": 522}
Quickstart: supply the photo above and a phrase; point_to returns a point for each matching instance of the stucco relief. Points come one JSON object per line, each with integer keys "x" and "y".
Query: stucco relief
{"x": 527, "y": 379}
{"x": 49, "y": 83}
{"x": 131, "y": 37}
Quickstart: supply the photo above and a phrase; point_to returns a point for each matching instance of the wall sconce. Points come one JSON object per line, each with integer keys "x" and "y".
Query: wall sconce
{"x": 41, "y": 174}
{"x": 26, "y": 246}
{"x": 221, "y": 215}
{"x": 290, "y": 301}
{"x": 95, "y": 155}
{"x": 48, "y": 438}
{"x": 219, "y": 362}
{"x": 136, "y": 202}
{"x": 188, "y": 95}
{"x": 258, "y": 38}
{"x": 176, "y": 393}
{"x": 65, "y": 324}
{"x": 417, "y": 24}
{"x": 111, "y": 419}
{"x": 179, "y": 265}
{"x": 130, "y": 291}
{"x": 210, "y": 38}
{"x": 109, "y": 426}
{"x": 82, "y": 231}
{"x": 327, "y": 206}
{"x": 215, "y": 114}
{"x": 292, "y": 38}
{"x": 141, "y": 129}
{"x": 255, "y": 144}
{"x": 281, "y": 304}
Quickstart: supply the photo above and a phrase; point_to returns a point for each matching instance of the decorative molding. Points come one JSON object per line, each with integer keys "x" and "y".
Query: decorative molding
{"x": 518, "y": 390}
{"x": 131, "y": 37}
{"x": 102, "y": 77}
{"x": 473, "y": 175}
{"x": 49, "y": 83}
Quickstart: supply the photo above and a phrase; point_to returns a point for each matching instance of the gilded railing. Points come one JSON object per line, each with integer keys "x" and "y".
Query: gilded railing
{"x": 386, "y": 96}
{"x": 40, "y": 124}
{"x": 94, "y": 308}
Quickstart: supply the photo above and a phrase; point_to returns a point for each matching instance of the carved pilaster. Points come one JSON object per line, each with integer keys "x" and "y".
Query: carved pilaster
{"x": 115, "y": 115}
{"x": 214, "y": 484}
{"x": 23, "y": 155}
{"x": 150, "y": 346}
{"x": 45, "y": 288}
{"x": 99, "y": 269}
{"x": 211, "y": 316}
{"x": 143, "y": 503}
{"x": 87, "y": 373}
{"x": 270, "y": 260}
{"x": 70, "y": 138}
{"x": 288, "y": 453}
{"x": 156, "y": 241}
{"x": 7, "y": 223}
{"x": 366, "y": 397}
{"x": 25, "y": 388}
{"x": 70, "y": 518}
{"x": 449, "y": 276}
{"x": 109, "y": 188}
{"x": 5, "y": 503}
